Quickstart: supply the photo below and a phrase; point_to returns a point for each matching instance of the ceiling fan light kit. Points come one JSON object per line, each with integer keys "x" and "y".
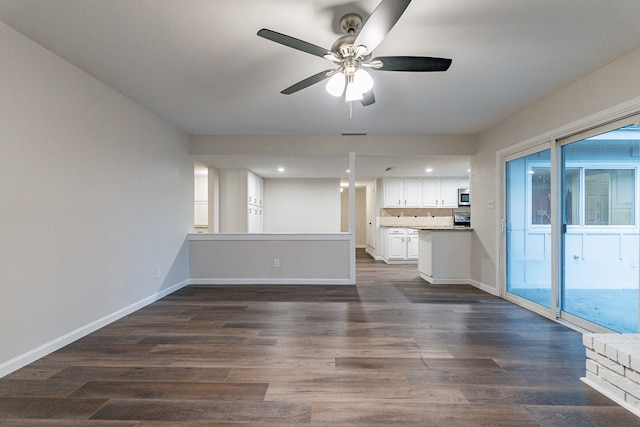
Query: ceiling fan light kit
{"x": 336, "y": 84}
{"x": 356, "y": 83}
{"x": 353, "y": 51}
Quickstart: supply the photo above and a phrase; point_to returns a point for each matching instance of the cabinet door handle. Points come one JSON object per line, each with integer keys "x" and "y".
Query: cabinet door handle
{"x": 443, "y": 203}
{"x": 436, "y": 203}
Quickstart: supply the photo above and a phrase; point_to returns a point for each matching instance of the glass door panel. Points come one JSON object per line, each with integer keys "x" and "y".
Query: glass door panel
{"x": 600, "y": 244}
{"x": 528, "y": 227}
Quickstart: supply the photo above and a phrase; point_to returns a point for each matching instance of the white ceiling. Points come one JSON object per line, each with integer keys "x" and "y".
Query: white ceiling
{"x": 200, "y": 65}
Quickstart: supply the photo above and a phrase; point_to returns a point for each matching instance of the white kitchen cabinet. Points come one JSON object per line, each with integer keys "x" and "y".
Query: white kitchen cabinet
{"x": 422, "y": 192}
{"x": 402, "y": 192}
{"x": 254, "y": 189}
{"x": 255, "y": 219}
{"x": 412, "y": 244}
{"x": 440, "y": 192}
{"x": 449, "y": 192}
{"x": 393, "y": 192}
{"x": 431, "y": 192}
{"x": 401, "y": 244}
{"x": 396, "y": 245}
{"x": 412, "y": 193}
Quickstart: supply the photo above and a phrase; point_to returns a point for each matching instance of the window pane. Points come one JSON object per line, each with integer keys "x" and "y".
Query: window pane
{"x": 528, "y": 249}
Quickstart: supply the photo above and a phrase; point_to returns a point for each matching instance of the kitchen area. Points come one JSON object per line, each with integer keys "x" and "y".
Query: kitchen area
{"x": 424, "y": 221}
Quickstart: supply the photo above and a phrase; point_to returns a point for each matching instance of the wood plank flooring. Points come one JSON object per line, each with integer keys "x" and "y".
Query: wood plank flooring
{"x": 392, "y": 350}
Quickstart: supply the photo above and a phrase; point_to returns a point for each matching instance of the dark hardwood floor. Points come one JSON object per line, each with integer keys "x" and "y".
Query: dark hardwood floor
{"x": 392, "y": 350}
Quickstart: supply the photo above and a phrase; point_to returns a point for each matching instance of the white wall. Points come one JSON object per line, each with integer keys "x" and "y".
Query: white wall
{"x": 97, "y": 198}
{"x": 607, "y": 92}
{"x": 302, "y": 205}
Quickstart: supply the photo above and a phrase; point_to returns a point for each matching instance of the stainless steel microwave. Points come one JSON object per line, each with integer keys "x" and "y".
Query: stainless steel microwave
{"x": 464, "y": 198}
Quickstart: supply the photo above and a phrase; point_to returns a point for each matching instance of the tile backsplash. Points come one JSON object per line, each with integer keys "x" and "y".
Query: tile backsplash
{"x": 416, "y": 212}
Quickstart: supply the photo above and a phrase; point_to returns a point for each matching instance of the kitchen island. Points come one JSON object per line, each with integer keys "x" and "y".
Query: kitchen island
{"x": 444, "y": 254}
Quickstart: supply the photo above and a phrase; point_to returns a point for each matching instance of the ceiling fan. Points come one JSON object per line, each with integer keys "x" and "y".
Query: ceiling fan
{"x": 353, "y": 52}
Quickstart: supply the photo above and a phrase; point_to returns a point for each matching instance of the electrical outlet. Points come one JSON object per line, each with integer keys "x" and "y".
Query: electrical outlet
{"x": 276, "y": 263}
{"x": 490, "y": 204}
{"x": 158, "y": 273}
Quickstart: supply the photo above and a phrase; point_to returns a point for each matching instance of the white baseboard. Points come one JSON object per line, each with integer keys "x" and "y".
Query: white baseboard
{"x": 37, "y": 353}
{"x": 263, "y": 281}
{"x": 452, "y": 281}
{"x": 399, "y": 261}
{"x": 484, "y": 287}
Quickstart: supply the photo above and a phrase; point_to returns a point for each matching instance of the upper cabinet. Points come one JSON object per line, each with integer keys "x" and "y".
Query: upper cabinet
{"x": 440, "y": 192}
{"x": 423, "y": 192}
{"x": 402, "y": 192}
{"x": 412, "y": 192}
{"x": 393, "y": 192}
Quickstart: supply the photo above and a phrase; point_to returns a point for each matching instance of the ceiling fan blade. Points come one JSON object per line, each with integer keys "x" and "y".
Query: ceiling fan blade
{"x": 368, "y": 98}
{"x": 412, "y": 63}
{"x": 316, "y": 78}
{"x": 294, "y": 43}
{"x": 381, "y": 21}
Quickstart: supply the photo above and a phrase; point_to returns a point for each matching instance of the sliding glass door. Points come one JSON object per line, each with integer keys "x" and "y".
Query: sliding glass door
{"x": 528, "y": 227}
{"x": 571, "y": 240}
{"x": 600, "y": 234}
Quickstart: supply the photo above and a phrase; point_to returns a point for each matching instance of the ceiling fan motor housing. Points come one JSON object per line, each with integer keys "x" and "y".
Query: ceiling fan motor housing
{"x": 344, "y": 46}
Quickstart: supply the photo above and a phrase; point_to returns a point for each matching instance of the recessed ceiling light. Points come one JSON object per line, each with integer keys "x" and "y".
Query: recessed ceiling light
{"x": 428, "y": 170}
{"x": 348, "y": 171}
{"x": 280, "y": 169}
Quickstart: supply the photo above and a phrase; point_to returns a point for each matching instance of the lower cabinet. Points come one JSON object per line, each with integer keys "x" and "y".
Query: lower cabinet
{"x": 401, "y": 244}
{"x": 412, "y": 244}
{"x": 255, "y": 220}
